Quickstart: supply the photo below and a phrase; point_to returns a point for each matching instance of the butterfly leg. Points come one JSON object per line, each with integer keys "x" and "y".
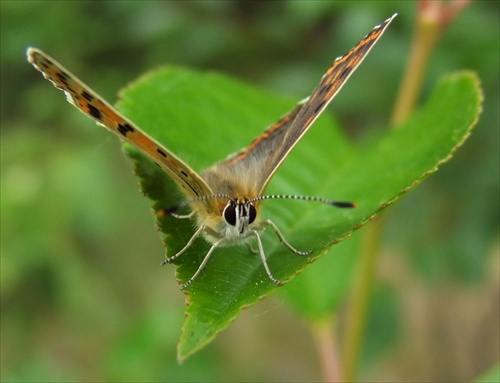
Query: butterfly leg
{"x": 252, "y": 250}
{"x": 264, "y": 260}
{"x": 163, "y": 212}
{"x": 188, "y": 245}
{"x": 203, "y": 263}
{"x": 284, "y": 241}
{"x": 182, "y": 216}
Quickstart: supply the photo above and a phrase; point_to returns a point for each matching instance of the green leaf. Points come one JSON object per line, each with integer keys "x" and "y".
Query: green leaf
{"x": 205, "y": 117}
{"x": 391, "y": 165}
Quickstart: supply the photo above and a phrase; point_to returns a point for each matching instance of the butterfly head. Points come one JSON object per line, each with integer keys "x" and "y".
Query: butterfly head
{"x": 237, "y": 215}
{"x": 233, "y": 220}
{"x": 240, "y": 213}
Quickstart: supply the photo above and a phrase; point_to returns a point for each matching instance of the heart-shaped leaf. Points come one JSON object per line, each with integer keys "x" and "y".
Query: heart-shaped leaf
{"x": 204, "y": 117}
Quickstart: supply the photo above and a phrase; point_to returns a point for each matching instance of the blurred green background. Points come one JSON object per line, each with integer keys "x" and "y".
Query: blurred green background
{"x": 82, "y": 294}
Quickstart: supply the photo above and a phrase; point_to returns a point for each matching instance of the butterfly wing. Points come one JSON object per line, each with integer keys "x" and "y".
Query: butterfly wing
{"x": 95, "y": 107}
{"x": 268, "y": 151}
{"x": 241, "y": 174}
{"x": 329, "y": 86}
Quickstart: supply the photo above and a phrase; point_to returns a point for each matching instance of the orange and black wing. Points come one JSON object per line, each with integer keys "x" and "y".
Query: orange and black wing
{"x": 91, "y": 104}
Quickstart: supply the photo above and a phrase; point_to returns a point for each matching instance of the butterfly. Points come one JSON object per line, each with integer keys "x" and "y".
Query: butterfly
{"x": 224, "y": 199}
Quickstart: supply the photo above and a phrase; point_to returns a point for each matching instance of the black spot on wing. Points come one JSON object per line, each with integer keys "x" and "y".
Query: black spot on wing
{"x": 47, "y": 63}
{"x": 63, "y": 77}
{"x": 125, "y": 128}
{"x": 319, "y": 106}
{"x": 345, "y": 72}
{"x": 162, "y": 153}
{"x": 186, "y": 176}
{"x": 94, "y": 112}
{"x": 87, "y": 96}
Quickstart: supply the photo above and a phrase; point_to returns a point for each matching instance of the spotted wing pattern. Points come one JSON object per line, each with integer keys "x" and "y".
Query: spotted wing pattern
{"x": 269, "y": 150}
{"x": 90, "y": 103}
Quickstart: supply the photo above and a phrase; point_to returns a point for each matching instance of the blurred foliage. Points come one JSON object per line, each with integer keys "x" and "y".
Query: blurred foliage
{"x": 83, "y": 297}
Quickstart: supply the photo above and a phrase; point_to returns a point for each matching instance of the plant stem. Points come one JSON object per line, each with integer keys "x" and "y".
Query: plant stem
{"x": 361, "y": 297}
{"x": 432, "y": 18}
{"x": 325, "y": 340}
{"x": 425, "y": 37}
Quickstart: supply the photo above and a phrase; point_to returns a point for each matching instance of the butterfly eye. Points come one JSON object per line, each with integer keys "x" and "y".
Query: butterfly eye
{"x": 229, "y": 213}
{"x": 252, "y": 213}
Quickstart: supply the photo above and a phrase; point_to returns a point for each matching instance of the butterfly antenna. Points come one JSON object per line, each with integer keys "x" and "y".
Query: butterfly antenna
{"x": 341, "y": 204}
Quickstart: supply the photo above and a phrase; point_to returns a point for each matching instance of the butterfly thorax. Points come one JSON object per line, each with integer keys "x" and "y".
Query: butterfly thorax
{"x": 237, "y": 216}
{"x": 236, "y": 181}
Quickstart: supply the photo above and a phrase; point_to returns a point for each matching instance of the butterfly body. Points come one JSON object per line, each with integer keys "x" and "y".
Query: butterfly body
{"x": 226, "y": 198}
